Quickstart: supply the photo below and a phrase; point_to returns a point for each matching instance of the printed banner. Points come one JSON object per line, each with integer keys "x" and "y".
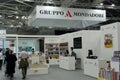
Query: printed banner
{"x": 108, "y": 40}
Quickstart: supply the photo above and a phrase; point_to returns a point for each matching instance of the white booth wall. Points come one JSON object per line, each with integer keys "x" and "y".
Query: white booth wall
{"x": 90, "y": 40}
{"x": 114, "y": 30}
{"x": 6, "y": 44}
{"x": 34, "y": 43}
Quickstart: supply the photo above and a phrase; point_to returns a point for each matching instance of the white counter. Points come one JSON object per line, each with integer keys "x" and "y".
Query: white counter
{"x": 67, "y": 63}
{"x": 54, "y": 61}
{"x": 92, "y": 66}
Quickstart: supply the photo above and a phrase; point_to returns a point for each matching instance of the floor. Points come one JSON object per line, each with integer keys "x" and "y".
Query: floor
{"x": 55, "y": 73}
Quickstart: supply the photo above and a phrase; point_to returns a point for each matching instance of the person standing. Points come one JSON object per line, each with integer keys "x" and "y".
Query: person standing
{"x": 24, "y": 62}
{"x": 1, "y": 59}
{"x": 73, "y": 53}
{"x": 6, "y": 54}
{"x": 10, "y": 65}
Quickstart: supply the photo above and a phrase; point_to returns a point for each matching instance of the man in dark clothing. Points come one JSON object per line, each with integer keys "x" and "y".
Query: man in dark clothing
{"x": 73, "y": 53}
{"x": 10, "y": 66}
{"x": 1, "y": 59}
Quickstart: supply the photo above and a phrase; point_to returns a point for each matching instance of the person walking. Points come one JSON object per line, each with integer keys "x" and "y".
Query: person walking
{"x": 1, "y": 59}
{"x": 24, "y": 63}
{"x": 10, "y": 65}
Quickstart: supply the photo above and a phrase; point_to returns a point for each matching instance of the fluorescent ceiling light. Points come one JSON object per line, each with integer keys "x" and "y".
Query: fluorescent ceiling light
{"x": 17, "y": 17}
{"x": 113, "y": 5}
{"x": 101, "y": 4}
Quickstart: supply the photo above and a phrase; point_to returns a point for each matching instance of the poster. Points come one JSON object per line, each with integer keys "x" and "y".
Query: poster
{"x": 108, "y": 40}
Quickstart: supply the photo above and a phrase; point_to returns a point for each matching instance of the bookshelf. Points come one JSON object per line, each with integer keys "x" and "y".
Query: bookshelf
{"x": 52, "y": 51}
{"x": 63, "y": 48}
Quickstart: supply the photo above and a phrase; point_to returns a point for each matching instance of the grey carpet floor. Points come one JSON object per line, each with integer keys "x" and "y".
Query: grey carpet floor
{"x": 54, "y": 73}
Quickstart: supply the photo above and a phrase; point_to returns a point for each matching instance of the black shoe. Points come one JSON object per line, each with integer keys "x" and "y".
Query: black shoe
{"x": 23, "y": 78}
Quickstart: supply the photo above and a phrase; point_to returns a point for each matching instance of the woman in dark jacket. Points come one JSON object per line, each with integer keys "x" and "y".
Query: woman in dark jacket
{"x": 11, "y": 59}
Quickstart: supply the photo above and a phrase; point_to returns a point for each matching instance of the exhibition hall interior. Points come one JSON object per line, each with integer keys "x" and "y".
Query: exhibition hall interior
{"x": 59, "y": 40}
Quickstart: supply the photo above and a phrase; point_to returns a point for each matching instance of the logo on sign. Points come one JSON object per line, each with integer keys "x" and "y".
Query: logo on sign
{"x": 68, "y": 14}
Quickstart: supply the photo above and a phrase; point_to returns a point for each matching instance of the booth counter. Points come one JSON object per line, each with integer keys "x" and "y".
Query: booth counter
{"x": 67, "y": 63}
{"x": 37, "y": 65}
{"x": 92, "y": 66}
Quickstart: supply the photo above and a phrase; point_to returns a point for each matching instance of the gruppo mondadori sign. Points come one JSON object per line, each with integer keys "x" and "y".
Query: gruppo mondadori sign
{"x": 70, "y": 13}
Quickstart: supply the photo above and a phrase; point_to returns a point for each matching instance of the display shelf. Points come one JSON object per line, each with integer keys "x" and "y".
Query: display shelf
{"x": 63, "y": 48}
{"x": 52, "y": 51}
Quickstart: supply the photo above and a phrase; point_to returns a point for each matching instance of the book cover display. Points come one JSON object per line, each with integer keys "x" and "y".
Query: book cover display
{"x": 52, "y": 50}
{"x": 108, "y": 40}
{"x": 112, "y": 70}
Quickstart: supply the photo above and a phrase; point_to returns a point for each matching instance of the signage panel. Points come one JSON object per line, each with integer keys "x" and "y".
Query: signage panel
{"x": 49, "y": 12}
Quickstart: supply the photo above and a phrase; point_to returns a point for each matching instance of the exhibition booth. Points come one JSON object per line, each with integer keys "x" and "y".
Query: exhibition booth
{"x": 50, "y": 50}
{"x": 104, "y": 44}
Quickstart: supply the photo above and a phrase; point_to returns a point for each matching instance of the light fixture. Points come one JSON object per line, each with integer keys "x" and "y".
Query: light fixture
{"x": 101, "y": 4}
{"x": 113, "y": 5}
{"x": 17, "y": 17}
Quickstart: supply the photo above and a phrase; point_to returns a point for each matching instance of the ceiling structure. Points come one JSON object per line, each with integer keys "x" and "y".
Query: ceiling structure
{"x": 14, "y": 13}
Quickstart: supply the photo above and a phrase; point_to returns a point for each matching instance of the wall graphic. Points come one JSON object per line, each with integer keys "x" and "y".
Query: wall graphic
{"x": 108, "y": 40}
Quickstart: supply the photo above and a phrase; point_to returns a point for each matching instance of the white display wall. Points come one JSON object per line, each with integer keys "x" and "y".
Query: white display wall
{"x": 110, "y": 29}
{"x": 29, "y": 42}
{"x": 90, "y": 40}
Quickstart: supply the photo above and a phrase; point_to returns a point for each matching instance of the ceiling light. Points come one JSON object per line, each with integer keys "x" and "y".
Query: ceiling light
{"x": 11, "y": 26}
{"x": 113, "y": 5}
{"x": 101, "y": 4}
{"x": 17, "y": 17}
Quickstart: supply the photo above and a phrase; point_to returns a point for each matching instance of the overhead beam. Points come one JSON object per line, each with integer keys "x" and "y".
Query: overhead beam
{"x": 23, "y": 3}
{"x": 67, "y": 3}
